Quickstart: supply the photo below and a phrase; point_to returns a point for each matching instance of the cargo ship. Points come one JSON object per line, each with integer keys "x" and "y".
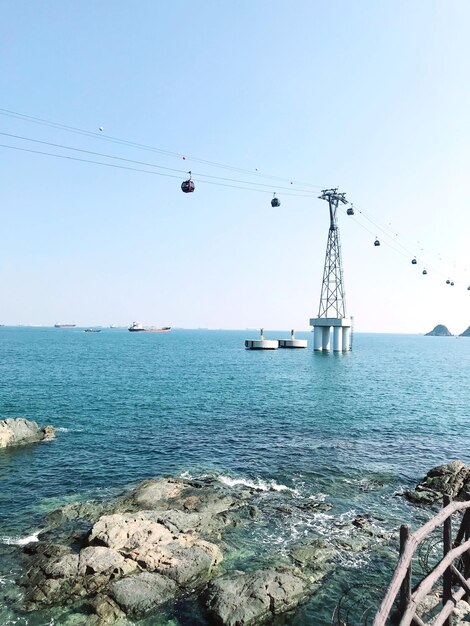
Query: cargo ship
{"x": 64, "y": 325}
{"x": 139, "y": 328}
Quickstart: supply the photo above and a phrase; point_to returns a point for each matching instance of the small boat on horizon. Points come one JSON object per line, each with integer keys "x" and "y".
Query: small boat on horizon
{"x": 65, "y": 325}
{"x": 92, "y": 330}
{"x": 136, "y": 327}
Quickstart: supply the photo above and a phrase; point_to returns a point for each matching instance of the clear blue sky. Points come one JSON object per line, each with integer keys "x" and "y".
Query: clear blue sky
{"x": 371, "y": 96}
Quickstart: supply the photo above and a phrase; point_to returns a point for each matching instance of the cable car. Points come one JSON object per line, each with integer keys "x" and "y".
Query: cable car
{"x": 447, "y": 282}
{"x": 350, "y": 210}
{"x": 452, "y": 284}
{"x": 424, "y": 272}
{"x": 376, "y": 242}
{"x": 414, "y": 261}
{"x": 468, "y": 288}
{"x": 187, "y": 186}
{"x": 275, "y": 201}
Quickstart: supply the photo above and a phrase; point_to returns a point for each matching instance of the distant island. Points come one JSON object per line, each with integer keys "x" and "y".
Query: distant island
{"x": 441, "y": 331}
{"x": 466, "y": 333}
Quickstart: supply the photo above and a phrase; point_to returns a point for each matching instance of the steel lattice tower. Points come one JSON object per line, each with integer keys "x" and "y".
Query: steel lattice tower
{"x": 332, "y": 299}
{"x": 332, "y": 311}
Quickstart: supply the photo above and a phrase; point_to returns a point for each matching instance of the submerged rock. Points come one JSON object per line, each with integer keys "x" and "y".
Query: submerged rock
{"x": 246, "y": 599}
{"x": 20, "y": 431}
{"x": 312, "y": 554}
{"x": 451, "y": 479}
{"x": 439, "y": 331}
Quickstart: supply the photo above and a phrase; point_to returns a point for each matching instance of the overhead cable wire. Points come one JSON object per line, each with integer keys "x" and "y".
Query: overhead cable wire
{"x": 136, "y": 169}
{"x": 171, "y": 169}
{"x": 397, "y": 239}
{"x": 118, "y": 140}
{"x": 403, "y": 252}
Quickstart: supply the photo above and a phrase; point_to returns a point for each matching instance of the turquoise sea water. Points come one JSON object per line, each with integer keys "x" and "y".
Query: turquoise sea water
{"x": 354, "y": 429}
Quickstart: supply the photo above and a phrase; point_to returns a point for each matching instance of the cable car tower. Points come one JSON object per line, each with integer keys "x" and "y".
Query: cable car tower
{"x": 332, "y": 311}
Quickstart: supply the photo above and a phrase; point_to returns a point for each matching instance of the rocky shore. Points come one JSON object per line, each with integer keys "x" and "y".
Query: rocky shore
{"x": 168, "y": 539}
{"x": 452, "y": 479}
{"x": 20, "y": 431}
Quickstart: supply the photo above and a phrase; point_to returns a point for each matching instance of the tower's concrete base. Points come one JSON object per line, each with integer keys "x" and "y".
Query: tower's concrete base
{"x": 322, "y": 333}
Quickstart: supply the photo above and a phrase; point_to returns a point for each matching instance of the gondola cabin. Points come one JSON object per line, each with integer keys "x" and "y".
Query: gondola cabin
{"x": 414, "y": 261}
{"x": 425, "y": 272}
{"x": 188, "y": 186}
{"x": 275, "y": 202}
{"x": 350, "y": 211}
{"x": 376, "y": 242}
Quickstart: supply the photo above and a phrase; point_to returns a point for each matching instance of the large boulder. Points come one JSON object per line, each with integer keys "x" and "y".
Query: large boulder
{"x": 451, "y": 479}
{"x": 246, "y": 599}
{"x": 188, "y": 563}
{"x": 128, "y": 531}
{"x": 20, "y": 431}
{"x": 141, "y": 593}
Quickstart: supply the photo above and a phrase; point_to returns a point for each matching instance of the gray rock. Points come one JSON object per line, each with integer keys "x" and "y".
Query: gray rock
{"x": 312, "y": 554}
{"x": 140, "y": 594}
{"x": 20, "y": 431}
{"x": 246, "y": 599}
{"x": 101, "y": 560}
{"x": 451, "y": 479}
{"x": 186, "y": 564}
{"x": 91, "y": 510}
{"x": 106, "y": 612}
{"x": 154, "y": 494}
{"x": 129, "y": 531}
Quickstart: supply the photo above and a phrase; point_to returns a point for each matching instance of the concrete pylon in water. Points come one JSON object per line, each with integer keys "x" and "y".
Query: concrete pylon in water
{"x": 332, "y": 310}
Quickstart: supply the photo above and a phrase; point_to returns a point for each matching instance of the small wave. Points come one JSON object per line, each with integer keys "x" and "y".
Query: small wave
{"x": 188, "y": 476}
{"x": 318, "y": 497}
{"x": 63, "y": 429}
{"x": 259, "y": 484}
{"x": 20, "y": 541}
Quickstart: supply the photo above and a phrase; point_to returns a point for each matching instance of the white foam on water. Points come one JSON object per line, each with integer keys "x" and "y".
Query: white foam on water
{"x": 20, "y": 541}
{"x": 188, "y": 476}
{"x": 258, "y": 484}
{"x": 318, "y": 497}
{"x": 63, "y": 429}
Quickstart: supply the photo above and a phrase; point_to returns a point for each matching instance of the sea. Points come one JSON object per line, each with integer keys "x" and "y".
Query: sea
{"x": 354, "y": 430}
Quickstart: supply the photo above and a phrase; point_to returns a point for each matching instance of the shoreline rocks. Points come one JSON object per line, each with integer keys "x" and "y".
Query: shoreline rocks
{"x": 245, "y": 599}
{"x": 20, "y": 431}
{"x": 163, "y": 541}
{"x": 451, "y": 478}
